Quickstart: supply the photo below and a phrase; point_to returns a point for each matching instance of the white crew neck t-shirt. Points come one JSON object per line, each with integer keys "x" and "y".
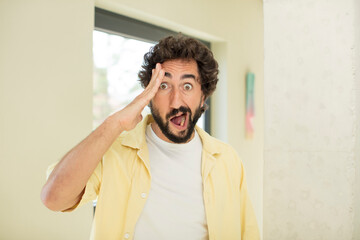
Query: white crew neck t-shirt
{"x": 174, "y": 208}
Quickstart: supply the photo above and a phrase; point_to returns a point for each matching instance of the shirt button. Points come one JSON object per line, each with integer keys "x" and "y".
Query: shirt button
{"x": 143, "y": 195}
{"x": 126, "y": 236}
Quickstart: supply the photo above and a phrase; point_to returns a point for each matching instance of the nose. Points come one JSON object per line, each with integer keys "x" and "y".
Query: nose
{"x": 176, "y": 100}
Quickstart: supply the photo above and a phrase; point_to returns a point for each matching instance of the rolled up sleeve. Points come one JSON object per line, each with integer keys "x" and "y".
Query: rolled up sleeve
{"x": 92, "y": 187}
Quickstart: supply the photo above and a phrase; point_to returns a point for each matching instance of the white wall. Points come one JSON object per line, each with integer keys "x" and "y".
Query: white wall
{"x": 356, "y": 22}
{"x": 46, "y": 94}
{"x": 311, "y": 126}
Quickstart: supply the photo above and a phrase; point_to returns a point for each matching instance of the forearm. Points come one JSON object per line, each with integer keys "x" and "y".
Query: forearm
{"x": 65, "y": 185}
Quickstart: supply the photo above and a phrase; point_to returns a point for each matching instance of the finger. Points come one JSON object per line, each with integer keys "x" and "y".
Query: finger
{"x": 155, "y": 81}
{"x": 155, "y": 74}
{"x": 150, "y": 91}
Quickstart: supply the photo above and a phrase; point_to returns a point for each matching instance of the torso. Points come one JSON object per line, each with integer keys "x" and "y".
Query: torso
{"x": 174, "y": 207}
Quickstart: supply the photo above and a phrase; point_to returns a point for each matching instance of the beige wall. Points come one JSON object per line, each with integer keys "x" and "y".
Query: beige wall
{"x": 45, "y": 108}
{"x": 46, "y": 94}
{"x": 311, "y": 119}
{"x": 356, "y": 21}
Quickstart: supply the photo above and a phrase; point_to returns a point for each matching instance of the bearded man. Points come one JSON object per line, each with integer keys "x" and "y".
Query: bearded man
{"x": 160, "y": 177}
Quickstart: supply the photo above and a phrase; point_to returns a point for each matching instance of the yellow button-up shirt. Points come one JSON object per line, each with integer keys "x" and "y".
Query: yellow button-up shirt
{"x": 122, "y": 180}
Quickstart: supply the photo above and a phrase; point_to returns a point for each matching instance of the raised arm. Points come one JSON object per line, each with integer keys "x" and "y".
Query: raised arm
{"x": 66, "y": 184}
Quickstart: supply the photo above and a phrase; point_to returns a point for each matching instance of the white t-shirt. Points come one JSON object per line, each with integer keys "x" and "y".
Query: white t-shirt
{"x": 175, "y": 206}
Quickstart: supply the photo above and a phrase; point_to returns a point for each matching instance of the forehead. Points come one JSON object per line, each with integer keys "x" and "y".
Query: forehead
{"x": 181, "y": 66}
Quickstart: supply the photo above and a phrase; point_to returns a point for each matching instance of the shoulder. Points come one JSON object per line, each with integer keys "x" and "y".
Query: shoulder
{"x": 123, "y": 153}
{"x": 226, "y": 158}
{"x": 212, "y": 143}
{"x": 217, "y": 147}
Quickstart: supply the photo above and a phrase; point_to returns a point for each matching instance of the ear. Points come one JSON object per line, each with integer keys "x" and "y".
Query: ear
{"x": 202, "y": 100}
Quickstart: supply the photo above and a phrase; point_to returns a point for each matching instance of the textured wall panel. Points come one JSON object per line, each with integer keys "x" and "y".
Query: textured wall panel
{"x": 310, "y": 120}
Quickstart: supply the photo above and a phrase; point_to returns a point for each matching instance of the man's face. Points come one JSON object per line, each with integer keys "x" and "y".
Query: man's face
{"x": 176, "y": 106}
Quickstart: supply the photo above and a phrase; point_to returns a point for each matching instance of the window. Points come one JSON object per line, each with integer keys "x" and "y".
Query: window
{"x": 119, "y": 44}
{"x": 117, "y": 60}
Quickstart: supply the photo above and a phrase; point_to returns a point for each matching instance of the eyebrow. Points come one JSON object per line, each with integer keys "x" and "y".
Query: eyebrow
{"x": 185, "y": 76}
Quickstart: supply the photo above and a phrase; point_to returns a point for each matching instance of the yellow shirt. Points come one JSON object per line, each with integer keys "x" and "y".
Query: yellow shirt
{"x": 122, "y": 180}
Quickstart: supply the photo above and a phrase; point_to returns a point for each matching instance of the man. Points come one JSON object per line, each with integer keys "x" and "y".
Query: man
{"x": 163, "y": 177}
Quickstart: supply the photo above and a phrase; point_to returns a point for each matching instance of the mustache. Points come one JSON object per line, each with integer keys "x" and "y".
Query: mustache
{"x": 175, "y": 111}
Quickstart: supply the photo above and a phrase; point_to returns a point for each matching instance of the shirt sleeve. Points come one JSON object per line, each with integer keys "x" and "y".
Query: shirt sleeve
{"x": 92, "y": 187}
{"x": 249, "y": 226}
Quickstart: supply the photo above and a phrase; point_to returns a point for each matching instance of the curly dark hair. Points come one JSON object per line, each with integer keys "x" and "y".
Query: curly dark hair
{"x": 182, "y": 47}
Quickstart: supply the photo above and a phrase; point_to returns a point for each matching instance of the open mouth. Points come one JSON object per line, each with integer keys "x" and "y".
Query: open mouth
{"x": 179, "y": 120}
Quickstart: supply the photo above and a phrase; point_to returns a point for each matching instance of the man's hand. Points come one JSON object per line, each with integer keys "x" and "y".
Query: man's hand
{"x": 130, "y": 116}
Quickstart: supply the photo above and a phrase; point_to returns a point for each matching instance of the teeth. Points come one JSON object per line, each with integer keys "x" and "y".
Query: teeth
{"x": 182, "y": 121}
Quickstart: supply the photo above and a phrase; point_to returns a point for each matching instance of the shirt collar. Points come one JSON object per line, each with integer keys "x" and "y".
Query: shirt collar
{"x": 210, "y": 144}
{"x": 136, "y": 137}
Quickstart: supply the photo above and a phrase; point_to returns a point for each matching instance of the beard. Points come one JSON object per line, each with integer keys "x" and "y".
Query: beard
{"x": 164, "y": 125}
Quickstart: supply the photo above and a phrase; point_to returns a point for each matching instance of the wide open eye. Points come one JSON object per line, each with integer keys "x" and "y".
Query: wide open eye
{"x": 163, "y": 86}
{"x": 187, "y": 86}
